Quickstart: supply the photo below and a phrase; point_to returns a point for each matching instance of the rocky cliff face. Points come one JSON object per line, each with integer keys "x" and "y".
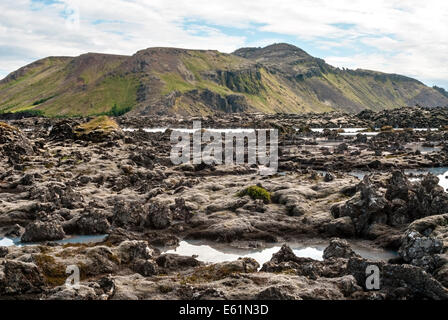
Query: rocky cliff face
{"x": 280, "y": 78}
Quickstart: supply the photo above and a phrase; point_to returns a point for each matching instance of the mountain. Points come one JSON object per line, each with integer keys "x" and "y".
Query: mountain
{"x": 277, "y": 78}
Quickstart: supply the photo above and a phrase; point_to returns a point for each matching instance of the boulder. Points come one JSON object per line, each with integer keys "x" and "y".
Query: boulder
{"x": 341, "y": 148}
{"x": 410, "y": 282}
{"x": 329, "y": 177}
{"x": 62, "y": 130}
{"x": 81, "y": 292}
{"x": 395, "y": 202}
{"x": 341, "y": 227}
{"x": 102, "y": 289}
{"x": 128, "y": 214}
{"x": 339, "y": 248}
{"x": 368, "y": 207}
{"x": 146, "y": 268}
{"x": 13, "y": 143}
{"x": 100, "y": 129}
{"x": 180, "y": 211}
{"x": 43, "y": 231}
{"x": 174, "y": 262}
{"x": 398, "y": 186}
{"x": 4, "y": 252}
{"x": 218, "y": 271}
{"x": 276, "y": 293}
{"x": 88, "y": 223}
{"x": 286, "y": 261}
{"x": 159, "y": 216}
{"x": 19, "y": 278}
{"x": 419, "y": 250}
{"x": 132, "y": 250}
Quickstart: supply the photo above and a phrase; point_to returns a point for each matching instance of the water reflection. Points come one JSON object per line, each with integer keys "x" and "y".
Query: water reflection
{"x": 214, "y": 253}
{"x": 8, "y": 242}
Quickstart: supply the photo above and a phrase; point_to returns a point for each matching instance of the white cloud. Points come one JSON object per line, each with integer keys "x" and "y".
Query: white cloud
{"x": 408, "y": 37}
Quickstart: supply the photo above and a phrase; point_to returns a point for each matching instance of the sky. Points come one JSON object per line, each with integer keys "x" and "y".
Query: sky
{"x": 408, "y": 37}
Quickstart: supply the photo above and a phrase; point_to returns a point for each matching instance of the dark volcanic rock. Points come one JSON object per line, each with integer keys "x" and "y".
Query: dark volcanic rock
{"x": 88, "y": 223}
{"x": 368, "y": 208}
{"x": 146, "y": 268}
{"x": 275, "y": 293}
{"x": 3, "y": 251}
{"x": 174, "y": 262}
{"x": 286, "y": 260}
{"x": 88, "y": 182}
{"x": 13, "y": 143}
{"x": 342, "y": 226}
{"x": 132, "y": 250}
{"x": 128, "y": 214}
{"x": 159, "y": 216}
{"x": 229, "y": 104}
{"x": 413, "y": 281}
{"x": 401, "y": 203}
{"x": 43, "y": 231}
{"x": 63, "y": 130}
{"x": 339, "y": 249}
{"x": 18, "y": 277}
{"x": 419, "y": 250}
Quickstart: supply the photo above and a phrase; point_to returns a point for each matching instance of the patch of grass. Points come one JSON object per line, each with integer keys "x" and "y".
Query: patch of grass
{"x": 391, "y": 156}
{"x": 374, "y": 90}
{"x": 387, "y": 129}
{"x": 40, "y": 101}
{"x": 256, "y": 192}
{"x": 119, "y": 91}
{"x": 209, "y": 85}
{"x": 49, "y": 91}
{"x": 23, "y": 109}
{"x": 289, "y": 272}
{"x": 249, "y": 82}
{"x": 101, "y": 123}
{"x": 117, "y": 111}
{"x": 53, "y": 272}
{"x": 25, "y": 113}
{"x": 33, "y": 112}
{"x": 174, "y": 82}
{"x": 209, "y": 273}
{"x": 165, "y": 288}
{"x": 9, "y": 127}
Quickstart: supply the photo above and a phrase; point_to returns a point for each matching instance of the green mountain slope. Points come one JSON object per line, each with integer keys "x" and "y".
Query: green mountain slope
{"x": 277, "y": 78}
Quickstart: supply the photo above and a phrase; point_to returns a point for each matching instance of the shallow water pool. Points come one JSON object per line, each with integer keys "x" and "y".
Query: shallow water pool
{"x": 8, "y": 242}
{"x": 211, "y": 252}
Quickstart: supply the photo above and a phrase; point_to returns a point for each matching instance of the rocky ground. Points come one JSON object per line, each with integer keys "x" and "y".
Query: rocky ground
{"x": 60, "y": 178}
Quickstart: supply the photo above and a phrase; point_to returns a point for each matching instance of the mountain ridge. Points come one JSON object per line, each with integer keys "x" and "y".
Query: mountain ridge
{"x": 276, "y": 78}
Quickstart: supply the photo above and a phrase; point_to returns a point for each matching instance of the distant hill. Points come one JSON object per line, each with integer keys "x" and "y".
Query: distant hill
{"x": 277, "y": 78}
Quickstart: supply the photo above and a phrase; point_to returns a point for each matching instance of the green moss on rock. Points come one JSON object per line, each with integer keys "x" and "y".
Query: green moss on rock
{"x": 53, "y": 272}
{"x": 256, "y": 192}
{"x": 99, "y": 129}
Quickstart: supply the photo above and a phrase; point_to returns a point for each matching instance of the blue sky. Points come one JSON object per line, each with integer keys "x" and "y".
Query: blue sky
{"x": 406, "y": 37}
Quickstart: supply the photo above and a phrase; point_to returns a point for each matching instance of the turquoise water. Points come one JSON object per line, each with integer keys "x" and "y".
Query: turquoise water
{"x": 8, "y": 242}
